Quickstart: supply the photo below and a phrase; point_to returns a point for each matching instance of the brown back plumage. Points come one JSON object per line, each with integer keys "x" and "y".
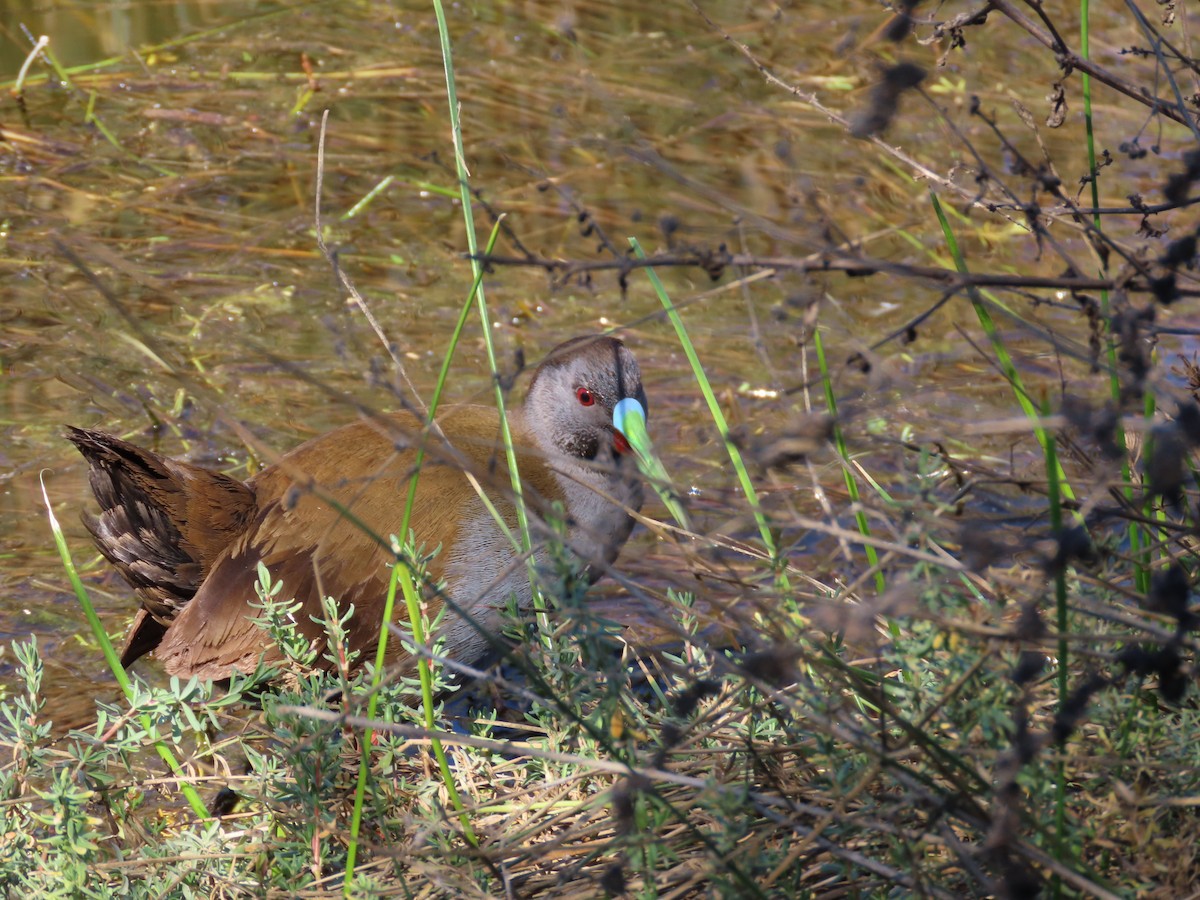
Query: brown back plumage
{"x": 302, "y": 535}
{"x": 189, "y": 540}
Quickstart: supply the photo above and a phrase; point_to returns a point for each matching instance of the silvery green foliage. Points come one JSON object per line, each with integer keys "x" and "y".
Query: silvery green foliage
{"x": 94, "y": 815}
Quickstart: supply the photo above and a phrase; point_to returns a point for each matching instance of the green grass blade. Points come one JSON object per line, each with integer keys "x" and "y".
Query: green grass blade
{"x": 860, "y": 515}
{"x": 464, "y": 187}
{"x": 110, "y": 657}
{"x": 1044, "y": 438}
{"x": 714, "y": 408}
{"x": 364, "y": 761}
{"x": 413, "y": 602}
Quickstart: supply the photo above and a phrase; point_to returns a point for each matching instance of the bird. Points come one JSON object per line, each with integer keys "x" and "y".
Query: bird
{"x": 189, "y": 540}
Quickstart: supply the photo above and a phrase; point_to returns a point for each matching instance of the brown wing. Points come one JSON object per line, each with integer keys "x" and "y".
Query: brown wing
{"x": 316, "y": 549}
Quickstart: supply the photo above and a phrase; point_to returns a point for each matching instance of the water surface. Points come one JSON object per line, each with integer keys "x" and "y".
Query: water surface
{"x": 161, "y": 277}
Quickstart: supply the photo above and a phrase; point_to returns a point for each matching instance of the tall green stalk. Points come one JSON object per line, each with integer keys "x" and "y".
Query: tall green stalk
{"x": 839, "y": 439}
{"x": 1141, "y": 572}
{"x": 464, "y": 188}
{"x": 390, "y": 599}
{"x": 714, "y": 409}
{"x": 477, "y": 292}
{"x": 114, "y": 663}
{"x": 1044, "y": 438}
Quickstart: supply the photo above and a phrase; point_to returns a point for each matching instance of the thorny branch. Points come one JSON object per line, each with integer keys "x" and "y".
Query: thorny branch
{"x": 716, "y": 262}
{"x": 1070, "y": 61}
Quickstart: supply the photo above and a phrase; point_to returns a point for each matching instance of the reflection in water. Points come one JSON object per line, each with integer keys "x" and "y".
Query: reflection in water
{"x": 83, "y": 31}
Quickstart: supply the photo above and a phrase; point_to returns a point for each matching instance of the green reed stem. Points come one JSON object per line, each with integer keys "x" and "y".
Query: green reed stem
{"x": 90, "y": 118}
{"x": 1141, "y": 560}
{"x": 390, "y": 600}
{"x": 456, "y": 335}
{"x": 1054, "y": 500}
{"x": 302, "y": 101}
{"x": 114, "y": 663}
{"x": 839, "y": 439}
{"x": 60, "y": 73}
{"x": 413, "y": 602}
{"x": 367, "y": 199}
{"x": 364, "y": 761}
{"x": 1044, "y": 438}
{"x": 714, "y": 408}
{"x": 464, "y": 187}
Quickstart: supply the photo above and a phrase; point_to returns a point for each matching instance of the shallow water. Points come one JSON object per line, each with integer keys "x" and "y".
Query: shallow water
{"x": 162, "y": 279}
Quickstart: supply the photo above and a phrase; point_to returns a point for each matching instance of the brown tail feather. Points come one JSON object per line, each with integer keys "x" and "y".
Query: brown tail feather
{"x": 145, "y": 634}
{"x": 162, "y": 524}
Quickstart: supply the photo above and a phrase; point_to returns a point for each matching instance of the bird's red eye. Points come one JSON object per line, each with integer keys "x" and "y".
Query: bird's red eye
{"x": 586, "y": 397}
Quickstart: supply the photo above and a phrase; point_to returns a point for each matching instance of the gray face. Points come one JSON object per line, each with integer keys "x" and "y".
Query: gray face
{"x": 573, "y": 393}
